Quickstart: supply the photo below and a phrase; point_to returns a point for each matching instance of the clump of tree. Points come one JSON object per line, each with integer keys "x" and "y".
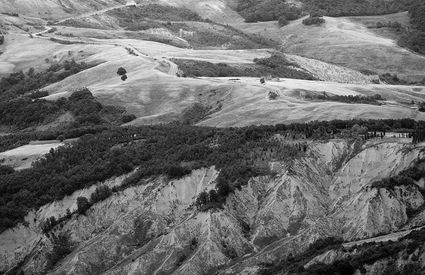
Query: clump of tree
{"x": 5, "y": 170}
{"x": 83, "y": 205}
{"x": 194, "y": 113}
{"x": 20, "y": 83}
{"x": 128, "y": 118}
{"x": 421, "y": 107}
{"x": 356, "y": 8}
{"x": 122, "y": 73}
{"x": 294, "y": 264}
{"x": 355, "y": 99}
{"x": 314, "y": 20}
{"x": 414, "y": 37}
{"x": 273, "y": 95}
{"x": 389, "y": 24}
{"x": 127, "y": 16}
{"x": 276, "y": 66}
{"x": 393, "y": 79}
{"x": 260, "y": 10}
{"x": 62, "y": 246}
{"x": 101, "y": 193}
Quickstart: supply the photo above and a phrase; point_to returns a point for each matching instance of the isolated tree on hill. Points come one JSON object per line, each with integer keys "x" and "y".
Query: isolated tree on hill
{"x": 121, "y": 71}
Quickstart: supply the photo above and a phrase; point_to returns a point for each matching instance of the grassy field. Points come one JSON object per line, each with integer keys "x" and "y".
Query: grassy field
{"x": 155, "y": 96}
{"x": 162, "y": 24}
{"x": 346, "y": 42}
{"x": 22, "y": 157}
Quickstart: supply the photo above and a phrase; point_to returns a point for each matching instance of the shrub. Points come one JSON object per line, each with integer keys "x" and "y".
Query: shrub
{"x": 62, "y": 246}
{"x": 82, "y": 205}
{"x": 101, "y": 193}
{"x": 128, "y": 118}
{"x": 313, "y": 21}
{"x": 5, "y": 170}
{"x": 283, "y": 21}
{"x": 176, "y": 172}
{"x": 124, "y": 77}
{"x": 121, "y": 71}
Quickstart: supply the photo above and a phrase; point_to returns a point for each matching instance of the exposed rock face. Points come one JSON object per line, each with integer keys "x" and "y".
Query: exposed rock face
{"x": 155, "y": 228}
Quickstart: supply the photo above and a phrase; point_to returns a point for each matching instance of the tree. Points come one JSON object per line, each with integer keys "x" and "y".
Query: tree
{"x": 62, "y": 246}
{"x": 124, "y": 77}
{"x": 82, "y": 205}
{"x": 202, "y": 199}
{"x": 283, "y": 21}
{"x": 176, "y": 172}
{"x": 213, "y": 196}
{"x": 313, "y": 21}
{"x": 121, "y": 71}
{"x": 5, "y": 170}
{"x": 61, "y": 138}
{"x": 100, "y": 194}
{"x": 128, "y": 118}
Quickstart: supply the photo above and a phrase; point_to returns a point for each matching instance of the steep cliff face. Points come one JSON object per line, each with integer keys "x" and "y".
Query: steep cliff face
{"x": 156, "y": 229}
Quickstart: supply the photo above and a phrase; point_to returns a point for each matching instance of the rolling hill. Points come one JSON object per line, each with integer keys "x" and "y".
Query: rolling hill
{"x": 183, "y": 137}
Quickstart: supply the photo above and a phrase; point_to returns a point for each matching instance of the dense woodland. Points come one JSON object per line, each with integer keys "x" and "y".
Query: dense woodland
{"x": 172, "y": 150}
{"x": 22, "y": 105}
{"x": 267, "y": 10}
{"x": 356, "y": 8}
{"x": 414, "y": 37}
{"x": 20, "y": 83}
{"x": 260, "y": 10}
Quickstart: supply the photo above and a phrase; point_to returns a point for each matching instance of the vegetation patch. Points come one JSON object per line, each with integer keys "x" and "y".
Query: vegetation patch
{"x": 275, "y": 66}
{"x": 353, "y": 99}
{"x": 20, "y": 83}
{"x": 129, "y": 16}
{"x": 414, "y": 37}
{"x": 314, "y": 20}
{"x": 267, "y": 10}
{"x": 355, "y": 8}
{"x": 21, "y": 105}
{"x": 393, "y": 79}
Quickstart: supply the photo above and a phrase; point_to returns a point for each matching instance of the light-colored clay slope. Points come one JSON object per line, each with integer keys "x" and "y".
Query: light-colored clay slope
{"x": 146, "y": 229}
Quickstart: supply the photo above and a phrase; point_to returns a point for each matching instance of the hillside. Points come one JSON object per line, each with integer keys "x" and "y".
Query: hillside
{"x": 329, "y": 194}
{"x": 345, "y": 42}
{"x": 212, "y": 137}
